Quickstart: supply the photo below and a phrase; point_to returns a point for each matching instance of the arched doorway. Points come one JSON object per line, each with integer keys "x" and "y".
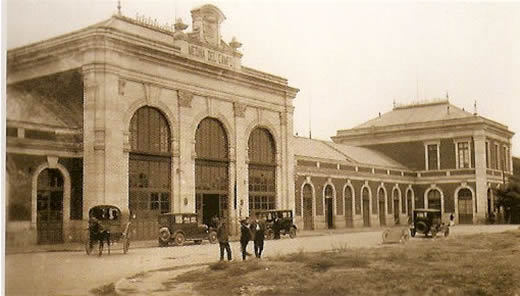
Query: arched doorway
{"x": 349, "y": 218}
{"x": 149, "y": 176}
{"x": 365, "y": 194}
{"x": 381, "y": 197}
{"x": 262, "y": 170}
{"x": 409, "y": 197}
{"x": 211, "y": 171}
{"x": 329, "y": 208}
{"x": 465, "y": 206}
{"x": 395, "y": 198}
{"x": 49, "y": 207}
{"x": 434, "y": 199}
{"x": 308, "y": 223}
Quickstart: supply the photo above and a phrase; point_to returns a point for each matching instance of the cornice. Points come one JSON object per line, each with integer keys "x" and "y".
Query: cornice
{"x": 140, "y": 47}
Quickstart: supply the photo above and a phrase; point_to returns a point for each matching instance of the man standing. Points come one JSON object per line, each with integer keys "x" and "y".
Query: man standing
{"x": 245, "y": 237}
{"x": 223, "y": 240}
{"x": 258, "y": 228}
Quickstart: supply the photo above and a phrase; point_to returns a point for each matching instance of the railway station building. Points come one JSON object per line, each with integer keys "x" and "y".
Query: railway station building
{"x": 157, "y": 119}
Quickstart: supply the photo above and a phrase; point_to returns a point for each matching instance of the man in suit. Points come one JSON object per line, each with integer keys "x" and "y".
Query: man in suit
{"x": 223, "y": 240}
{"x": 245, "y": 237}
{"x": 258, "y": 228}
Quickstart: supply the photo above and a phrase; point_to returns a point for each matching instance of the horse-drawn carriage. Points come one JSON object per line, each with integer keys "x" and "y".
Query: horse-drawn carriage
{"x": 107, "y": 224}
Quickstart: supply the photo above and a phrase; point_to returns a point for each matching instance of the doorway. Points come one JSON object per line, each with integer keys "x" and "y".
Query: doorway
{"x": 366, "y": 211}
{"x": 307, "y": 208}
{"x": 330, "y": 216}
{"x": 49, "y": 207}
{"x": 465, "y": 206}
{"x": 396, "y": 211}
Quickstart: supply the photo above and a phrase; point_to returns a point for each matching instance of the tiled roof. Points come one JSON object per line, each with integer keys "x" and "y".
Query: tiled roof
{"x": 437, "y": 111}
{"x": 339, "y": 152}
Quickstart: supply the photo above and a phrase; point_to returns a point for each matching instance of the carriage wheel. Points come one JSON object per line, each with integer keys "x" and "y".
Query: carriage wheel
{"x": 179, "y": 239}
{"x": 126, "y": 245}
{"x": 88, "y": 247}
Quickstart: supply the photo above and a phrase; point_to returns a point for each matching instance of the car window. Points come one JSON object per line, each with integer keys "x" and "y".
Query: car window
{"x": 178, "y": 219}
{"x": 186, "y": 219}
{"x": 193, "y": 219}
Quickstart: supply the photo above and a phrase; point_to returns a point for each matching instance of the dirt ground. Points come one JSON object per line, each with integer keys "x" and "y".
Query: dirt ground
{"x": 463, "y": 264}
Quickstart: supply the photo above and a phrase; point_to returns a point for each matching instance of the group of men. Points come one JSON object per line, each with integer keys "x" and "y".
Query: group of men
{"x": 254, "y": 231}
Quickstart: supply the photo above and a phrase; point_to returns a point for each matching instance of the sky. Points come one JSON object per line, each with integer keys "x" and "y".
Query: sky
{"x": 350, "y": 60}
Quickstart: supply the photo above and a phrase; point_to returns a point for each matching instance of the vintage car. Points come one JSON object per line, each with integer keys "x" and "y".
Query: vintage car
{"x": 428, "y": 221}
{"x": 180, "y": 227}
{"x": 107, "y": 224}
{"x": 284, "y": 224}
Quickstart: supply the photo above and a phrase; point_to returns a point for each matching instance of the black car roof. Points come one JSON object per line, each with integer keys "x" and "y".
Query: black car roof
{"x": 428, "y": 210}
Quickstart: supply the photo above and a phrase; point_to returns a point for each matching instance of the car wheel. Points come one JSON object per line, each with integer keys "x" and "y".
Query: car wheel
{"x": 269, "y": 234}
{"x": 164, "y": 236}
{"x": 212, "y": 237}
{"x": 292, "y": 232}
{"x": 422, "y": 227}
{"x": 179, "y": 239}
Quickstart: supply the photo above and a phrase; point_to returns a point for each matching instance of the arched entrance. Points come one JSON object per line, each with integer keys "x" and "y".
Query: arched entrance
{"x": 149, "y": 176}
{"x": 381, "y": 197}
{"x": 349, "y": 218}
{"x": 262, "y": 170}
{"x": 211, "y": 171}
{"x": 395, "y": 197}
{"x": 434, "y": 199}
{"x": 308, "y": 223}
{"x": 329, "y": 209}
{"x": 365, "y": 194}
{"x": 409, "y": 196}
{"x": 49, "y": 207}
{"x": 465, "y": 206}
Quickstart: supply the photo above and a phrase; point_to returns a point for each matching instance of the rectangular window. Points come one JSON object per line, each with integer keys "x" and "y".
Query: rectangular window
{"x": 487, "y": 155}
{"x": 463, "y": 155}
{"x": 433, "y": 159}
{"x": 496, "y": 157}
{"x": 504, "y": 159}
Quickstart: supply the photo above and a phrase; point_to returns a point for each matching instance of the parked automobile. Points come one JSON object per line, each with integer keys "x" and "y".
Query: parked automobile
{"x": 180, "y": 227}
{"x": 428, "y": 222}
{"x": 285, "y": 218}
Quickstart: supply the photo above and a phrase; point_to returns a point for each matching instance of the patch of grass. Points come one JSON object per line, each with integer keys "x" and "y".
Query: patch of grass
{"x": 106, "y": 290}
{"x": 221, "y": 265}
{"x": 468, "y": 265}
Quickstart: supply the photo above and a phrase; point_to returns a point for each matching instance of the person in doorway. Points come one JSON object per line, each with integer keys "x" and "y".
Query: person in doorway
{"x": 223, "y": 240}
{"x": 452, "y": 219}
{"x": 245, "y": 237}
{"x": 258, "y": 228}
{"x": 276, "y": 227}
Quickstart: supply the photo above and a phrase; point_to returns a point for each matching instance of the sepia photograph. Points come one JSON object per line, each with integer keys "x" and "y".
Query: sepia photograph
{"x": 260, "y": 148}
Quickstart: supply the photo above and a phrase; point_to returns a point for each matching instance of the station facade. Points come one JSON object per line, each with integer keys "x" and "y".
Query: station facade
{"x": 154, "y": 119}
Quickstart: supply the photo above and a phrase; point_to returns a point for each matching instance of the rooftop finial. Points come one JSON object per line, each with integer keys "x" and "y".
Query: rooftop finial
{"x": 447, "y": 96}
{"x": 475, "y": 108}
{"x": 118, "y": 7}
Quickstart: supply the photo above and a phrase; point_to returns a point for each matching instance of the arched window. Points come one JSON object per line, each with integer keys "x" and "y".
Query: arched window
{"x": 409, "y": 197}
{"x": 465, "y": 206}
{"x": 308, "y": 213}
{"x": 262, "y": 168}
{"x": 366, "y": 206}
{"x": 149, "y": 169}
{"x": 49, "y": 207}
{"x": 211, "y": 171}
{"x": 348, "y": 206}
{"x": 434, "y": 199}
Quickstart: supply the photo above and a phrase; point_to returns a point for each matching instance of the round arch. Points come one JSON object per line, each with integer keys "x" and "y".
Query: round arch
{"x": 52, "y": 164}
{"x": 425, "y": 198}
{"x": 397, "y": 200}
{"x": 366, "y": 208}
{"x": 228, "y": 128}
{"x": 308, "y": 207}
{"x": 381, "y": 203}
{"x": 464, "y": 206}
{"x": 329, "y": 202}
{"x": 349, "y": 203}
{"x": 268, "y": 126}
{"x": 161, "y": 107}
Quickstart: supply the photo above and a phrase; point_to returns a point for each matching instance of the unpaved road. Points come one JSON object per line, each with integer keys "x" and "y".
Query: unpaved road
{"x": 74, "y": 273}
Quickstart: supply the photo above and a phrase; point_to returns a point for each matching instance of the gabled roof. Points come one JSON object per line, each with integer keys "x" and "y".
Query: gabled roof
{"x": 339, "y": 152}
{"x": 417, "y": 113}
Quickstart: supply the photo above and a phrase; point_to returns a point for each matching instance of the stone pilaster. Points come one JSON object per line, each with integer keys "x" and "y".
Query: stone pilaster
{"x": 480, "y": 177}
{"x": 186, "y": 172}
